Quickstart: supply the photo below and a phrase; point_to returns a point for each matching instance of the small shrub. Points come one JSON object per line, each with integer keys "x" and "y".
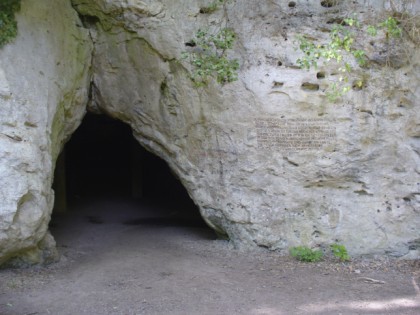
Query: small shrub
{"x": 340, "y": 252}
{"x": 208, "y": 57}
{"x": 306, "y": 254}
{"x": 8, "y": 24}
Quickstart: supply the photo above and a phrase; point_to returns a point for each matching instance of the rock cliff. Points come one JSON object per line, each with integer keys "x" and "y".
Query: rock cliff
{"x": 268, "y": 159}
{"x": 44, "y": 82}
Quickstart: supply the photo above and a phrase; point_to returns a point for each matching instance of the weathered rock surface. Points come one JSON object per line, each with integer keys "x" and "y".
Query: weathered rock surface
{"x": 361, "y": 189}
{"x": 44, "y": 80}
{"x": 356, "y": 183}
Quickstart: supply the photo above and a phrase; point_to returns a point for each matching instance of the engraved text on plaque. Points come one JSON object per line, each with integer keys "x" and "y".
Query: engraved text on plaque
{"x": 294, "y": 135}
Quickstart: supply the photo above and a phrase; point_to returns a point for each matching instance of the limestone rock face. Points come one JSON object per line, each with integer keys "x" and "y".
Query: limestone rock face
{"x": 268, "y": 160}
{"x": 242, "y": 150}
{"x": 44, "y": 81}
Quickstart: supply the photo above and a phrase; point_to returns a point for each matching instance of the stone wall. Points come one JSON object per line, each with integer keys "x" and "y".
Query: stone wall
{"x": 44, "y": 81}
{"x": 268, "y": 160}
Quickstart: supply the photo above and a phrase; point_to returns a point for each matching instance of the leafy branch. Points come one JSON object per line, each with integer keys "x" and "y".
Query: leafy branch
{"x": 341, "y": 49}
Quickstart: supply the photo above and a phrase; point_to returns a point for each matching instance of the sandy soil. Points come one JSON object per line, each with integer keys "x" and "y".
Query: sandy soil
{"x": 116, "y": 260}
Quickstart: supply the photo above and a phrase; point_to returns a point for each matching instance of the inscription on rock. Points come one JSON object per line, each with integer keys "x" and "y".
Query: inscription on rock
{"x": 294, "y": 135}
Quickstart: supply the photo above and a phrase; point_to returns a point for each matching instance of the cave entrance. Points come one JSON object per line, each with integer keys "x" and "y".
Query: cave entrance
{"x": 104, "y": 171}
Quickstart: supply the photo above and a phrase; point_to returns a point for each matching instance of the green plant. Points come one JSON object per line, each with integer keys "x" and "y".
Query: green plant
{"x": 212, "y": 7}
{"x": 8, "y": 24}
{"x": 389, "y": 25}
{"x": 341, "y": 49}
{"x": 304, "y": 253}
{"x": 338, "y": 49}
{"x": 209, "y": 57}
{"x": 340, "y": 252}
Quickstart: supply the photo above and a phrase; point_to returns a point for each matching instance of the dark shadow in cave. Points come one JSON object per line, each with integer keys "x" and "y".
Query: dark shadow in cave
{"x": 105, "y": 175}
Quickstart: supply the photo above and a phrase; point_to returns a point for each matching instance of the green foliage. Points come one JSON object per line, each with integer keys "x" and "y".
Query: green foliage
{"x": 8, "y": 24}
{"x": 306, "y": 254}
{"x": 340, "y": 252}
{"x": 341, "y": 40}
{"x": 372, "y": 30}
{"x": 212, "y": 7}
{"x": 209, "y": 52}
{"x": 208, "y": 57}
{"x": 390, "y": 26}
{"x": 340, "y": 49}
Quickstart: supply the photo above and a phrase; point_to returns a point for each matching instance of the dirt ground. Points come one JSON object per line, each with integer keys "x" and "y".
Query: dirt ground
{"x": 116, "y": 260}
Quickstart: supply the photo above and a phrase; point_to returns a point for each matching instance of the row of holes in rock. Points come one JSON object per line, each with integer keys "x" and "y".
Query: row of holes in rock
{"x": 292, "y": 4}
{"x": 308, "y": 86}
{"x": 324, "y": 3}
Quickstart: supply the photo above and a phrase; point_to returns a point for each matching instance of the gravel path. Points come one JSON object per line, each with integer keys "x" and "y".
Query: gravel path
{"x": 117, "y": 261}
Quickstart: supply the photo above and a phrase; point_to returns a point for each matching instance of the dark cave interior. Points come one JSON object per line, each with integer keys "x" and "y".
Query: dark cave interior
{"x": 103, "y": 162}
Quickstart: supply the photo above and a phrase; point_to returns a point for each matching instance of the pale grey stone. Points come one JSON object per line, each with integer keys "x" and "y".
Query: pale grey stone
{"x": 44, "y": 82}
{"x": 361, "y": 188}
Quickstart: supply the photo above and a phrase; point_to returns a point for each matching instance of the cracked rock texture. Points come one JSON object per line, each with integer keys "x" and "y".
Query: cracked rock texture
{"x": 268, "y": 160}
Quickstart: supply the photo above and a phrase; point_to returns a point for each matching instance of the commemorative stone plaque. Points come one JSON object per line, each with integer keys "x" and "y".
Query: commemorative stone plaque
{"x": 294, "y": 135}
